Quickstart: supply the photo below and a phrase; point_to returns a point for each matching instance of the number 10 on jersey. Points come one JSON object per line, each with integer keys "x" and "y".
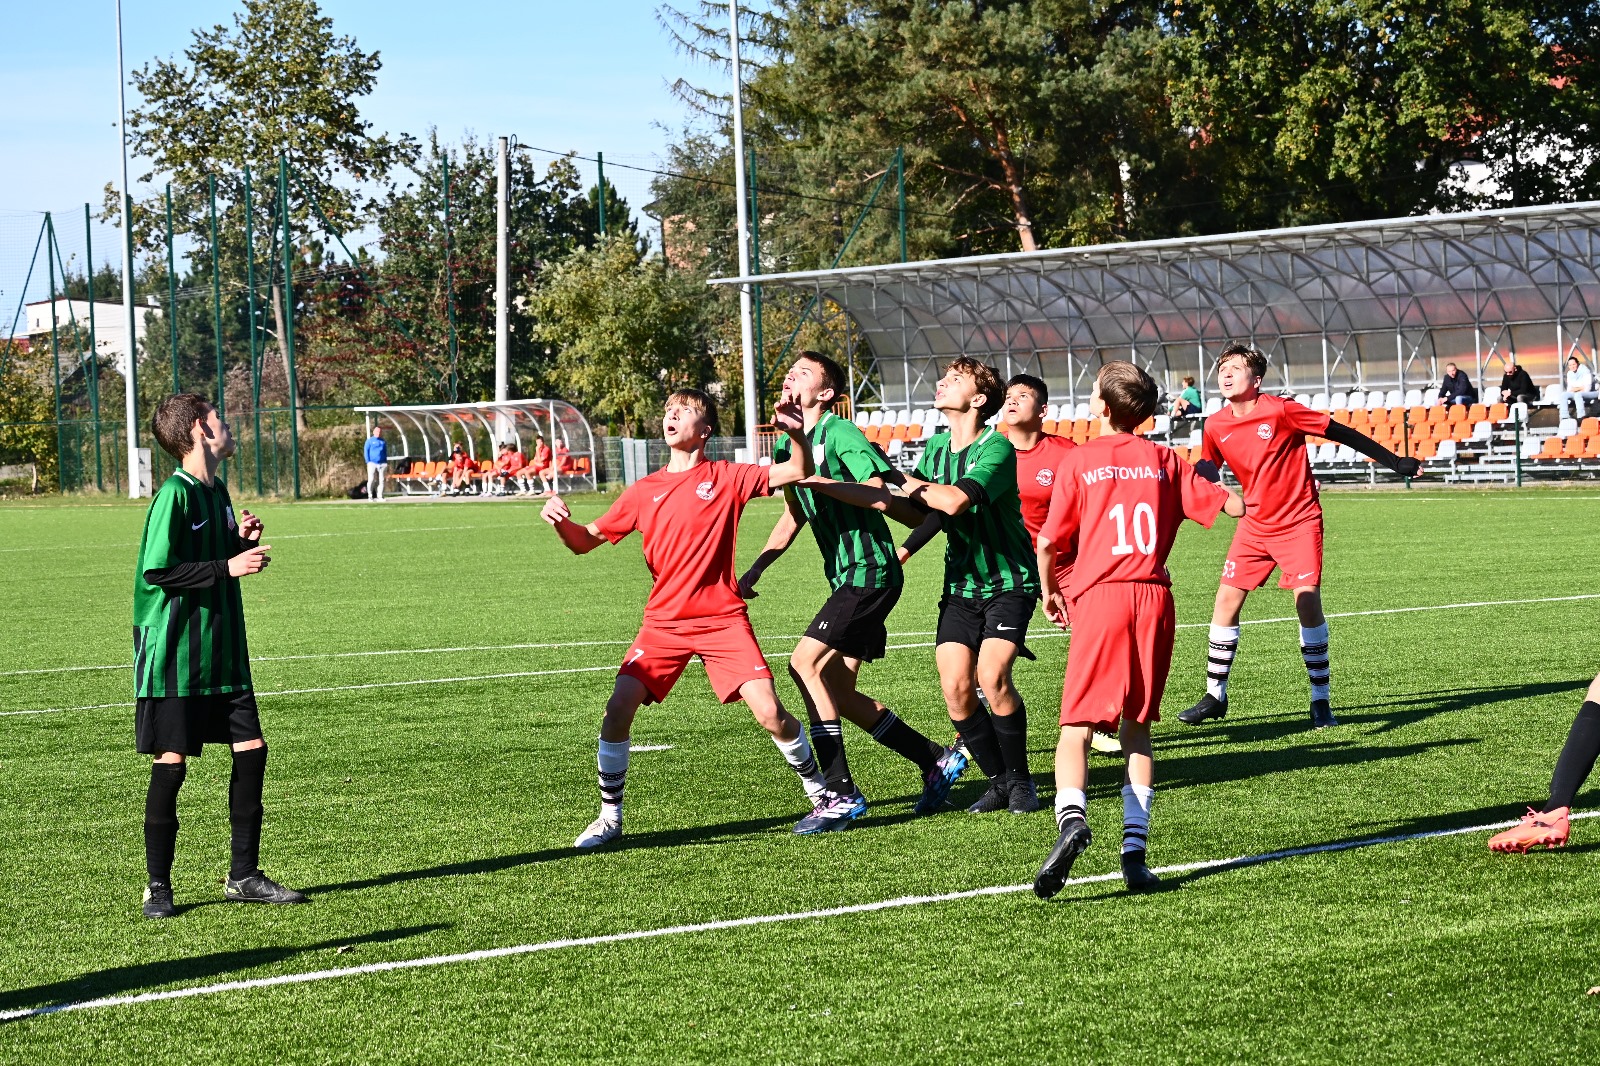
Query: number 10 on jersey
{"x": 1144, "y": 529}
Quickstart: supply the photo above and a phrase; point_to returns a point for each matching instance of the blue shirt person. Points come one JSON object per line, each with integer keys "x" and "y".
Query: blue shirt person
{"x": 377, "y": 456}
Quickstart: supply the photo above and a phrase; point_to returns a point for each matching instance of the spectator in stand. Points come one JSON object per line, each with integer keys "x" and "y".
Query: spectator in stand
{"x": 1188, "y": 404}
{"x": 507, "y": 465}
{"x": 1580, "y": 388}
{"x": 1517, "y": 386}
{"x": 377, "y": 455}
{"x": 541, "y": 467}
{"x": 1457, "y": 388}
{"x": 459, "y": 470}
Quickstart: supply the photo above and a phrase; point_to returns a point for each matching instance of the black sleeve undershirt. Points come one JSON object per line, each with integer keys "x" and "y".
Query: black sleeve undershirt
{"x": 188, "y": 577}
{"x": 1340, "y": 433}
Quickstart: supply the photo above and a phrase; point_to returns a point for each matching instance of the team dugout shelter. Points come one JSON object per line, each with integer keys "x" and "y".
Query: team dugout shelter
{"x": 421, "y": 437}
{"x": 1354, "y": 317}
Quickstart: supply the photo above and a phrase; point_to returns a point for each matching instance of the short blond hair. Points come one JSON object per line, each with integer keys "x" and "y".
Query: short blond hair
{"x": 697, "y": 401}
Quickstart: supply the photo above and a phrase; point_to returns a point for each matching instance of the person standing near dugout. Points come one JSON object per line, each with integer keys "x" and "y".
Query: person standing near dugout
{"x": 191, "y": 661}
{"x": 1262, "y": 438}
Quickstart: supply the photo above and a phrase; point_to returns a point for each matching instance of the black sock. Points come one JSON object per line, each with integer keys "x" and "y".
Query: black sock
{"x": 1011, "y": 732}
{"x": 978, "y": 733}
{"x": 901, "y": 739}
{"x": 244, "y": 810}
{"x": 1577, "y": 757}
{"x": 827, "y": 745}
{"x": 161, "y": 819}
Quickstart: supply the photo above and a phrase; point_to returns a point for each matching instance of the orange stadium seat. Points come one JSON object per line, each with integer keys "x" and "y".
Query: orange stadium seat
{"x": 1458, "y": 412}
{"x": 1424, "y": 449}
{"x": 1591, "y": 447}
{"x": 1418, "y": 415}
{"x": 1051, "y": 425}
{"x": 1497, "y": 413}
{"x": 1341, "y": 416}
{"x": 1438, "y": 414}
{"x": 1574, "y": 447}
{"x": 1359, "y": 419}
{"x": 1552, "y": 448}
{"x": 1589, "y": 427}
{"x": 1146, "y": 426}
{"x": 914, "y": 431}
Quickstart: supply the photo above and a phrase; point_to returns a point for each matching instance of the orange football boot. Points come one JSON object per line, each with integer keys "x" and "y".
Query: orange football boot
{"x": 1546, "y": 829}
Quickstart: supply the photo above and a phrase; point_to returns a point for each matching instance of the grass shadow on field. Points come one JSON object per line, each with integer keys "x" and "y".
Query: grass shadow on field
{"x": 1387, "y": 716}
{"x": 131, "y": 980}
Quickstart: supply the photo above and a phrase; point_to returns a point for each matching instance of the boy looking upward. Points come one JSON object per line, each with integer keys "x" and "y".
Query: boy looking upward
{"x": 688, "y": 516}
{"x": 1118, "y": 504}
{"x": 191, "y": 661}
{"x": 858, "y": 559}
{"x": 969, "y": 475}
{"x": 1262, "y": 438}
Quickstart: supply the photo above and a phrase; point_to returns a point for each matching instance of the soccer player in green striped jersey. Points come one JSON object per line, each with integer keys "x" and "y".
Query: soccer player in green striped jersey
{"x": 968, "y": 475}
{"x": 858, "y": 559}
{"x": 191, "y": 662}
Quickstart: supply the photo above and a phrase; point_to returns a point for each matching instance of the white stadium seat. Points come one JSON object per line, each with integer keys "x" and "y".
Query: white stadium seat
{"x": 876, "y": 418}
{"x": 1303, "y": 399}
{"x": 1344, "y": 455}
{"x": 1163, "y": 425}
{"x": 1397, "y": 399}
{"x": 1531, "y": 447}
{"x": 1518, "y": 413}
{"x": 1213, "y": 405}
{"x": 1483, "y": 431}
{"x": 1431, "y": 399}
{"x": 1325, "y": 453}
{"x": 1052, "y": 411}
{"x": 1446, "y": 452}
{"x": 1413, "y": 398}
{"x": 1319, "y": 402}
{"x": 1567, "y": 428}
{"x": 1357, "y": 401}
{"x": 1552, "y": 392}
{"x": 1080, "y": 409}
{"x": 1339, "y": 401}
{"x": 1376, "y": 400}
{"x": 862, "y": 419}
{"x": 1196, "y": 438}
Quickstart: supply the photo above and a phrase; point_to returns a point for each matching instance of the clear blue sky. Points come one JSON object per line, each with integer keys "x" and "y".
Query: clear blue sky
{"x": 591, "y": 75}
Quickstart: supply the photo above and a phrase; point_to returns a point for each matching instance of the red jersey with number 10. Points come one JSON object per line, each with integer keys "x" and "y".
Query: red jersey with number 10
{"x": 1266, "y": 450}
{"x": 688, "y": 522}
{"x": 1120, "y": 500}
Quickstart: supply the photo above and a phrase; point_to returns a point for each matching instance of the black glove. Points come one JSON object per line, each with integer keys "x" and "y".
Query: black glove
{"x": 1408, "y": 467}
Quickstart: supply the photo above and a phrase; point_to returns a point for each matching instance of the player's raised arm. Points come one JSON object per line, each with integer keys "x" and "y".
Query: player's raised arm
{"x": 579, "y": 539}
{"x": 783, "y": 534}
{"x": 1339, "y": 433}
{"x": 788, "y": 417}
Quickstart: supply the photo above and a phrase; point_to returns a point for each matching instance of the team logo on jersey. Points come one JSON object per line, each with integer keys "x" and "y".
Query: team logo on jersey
{"x": 705, "y": 490}
{"x": 1264, "y": 431}
{"x": 818, "y": 453}
{"x": 1045, "y": 477}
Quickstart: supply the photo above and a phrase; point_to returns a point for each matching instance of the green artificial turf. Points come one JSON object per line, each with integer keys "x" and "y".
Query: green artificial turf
{"x": 434, "y": 819}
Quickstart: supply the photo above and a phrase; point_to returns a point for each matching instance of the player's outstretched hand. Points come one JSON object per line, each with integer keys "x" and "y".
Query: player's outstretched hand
{"x": 747, "y": 585}
{"x": 1408, "y": 467}
{"x": 787, "y": 416}
{"x": 252, "y": 561}
{"x": 555, "y": 511}
{"x": 816, "y": 479}
{"x": 1055, "y": 609}
{"x": 1208, "y": 470}
{"x": 249, "y": 527}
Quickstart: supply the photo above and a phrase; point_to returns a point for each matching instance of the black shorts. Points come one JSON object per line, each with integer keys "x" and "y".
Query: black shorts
{"x": 185, "y": 724}
{"x": 969, "y": 622}
{"x": 854, "y": 621}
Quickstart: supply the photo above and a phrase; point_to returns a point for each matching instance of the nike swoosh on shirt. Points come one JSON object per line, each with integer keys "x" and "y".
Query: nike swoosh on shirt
{"x": 658, "y": 499}
{"x": 1224, "y": 440}
{"x": 197, "y": 525}
{"x": 1308, "y": 573}
{"x": 1005, "y": 629}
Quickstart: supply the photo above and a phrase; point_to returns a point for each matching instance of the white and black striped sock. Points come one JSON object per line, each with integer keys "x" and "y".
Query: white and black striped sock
{"x": 1219, "y": 660}
{"x": 797, "y": 753}
{"x": 613, "y": 763}
{"x": 1314, "y": 650}
{"x": 1136, "y": 801}
{"x": 1071, "y": 805}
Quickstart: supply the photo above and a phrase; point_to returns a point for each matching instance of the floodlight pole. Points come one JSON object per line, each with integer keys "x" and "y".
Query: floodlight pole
{"x": 502, "y": 273}
{"x": 129, "y": 383}
{"x": 746, "y": 318}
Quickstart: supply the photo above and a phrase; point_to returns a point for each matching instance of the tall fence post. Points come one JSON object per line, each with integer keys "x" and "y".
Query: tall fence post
{"x": 449, "y": 278}
{"x": 288, "y": 318}
{"x": 92, "y": 368}
{"x": 250, "y": 284}
{"x": 600, "y": 162}
{"x": 755, "y": 290}
{"x": 900, "y": 182}
{"x": 1516, "y": 455}
{"x": 172, "y": 295}
{"x": 216, "y": 294}
{"x": 55, "y": 354}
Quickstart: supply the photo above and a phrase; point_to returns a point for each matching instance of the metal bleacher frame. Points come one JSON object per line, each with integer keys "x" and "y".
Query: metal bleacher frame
{"x": 1353, "y": 308}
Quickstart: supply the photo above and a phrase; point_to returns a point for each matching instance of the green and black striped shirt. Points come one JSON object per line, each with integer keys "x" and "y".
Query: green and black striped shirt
{"x": 987, "y": 548}
{"x": 188, "y": 620}
{"x": 856, "y": 546}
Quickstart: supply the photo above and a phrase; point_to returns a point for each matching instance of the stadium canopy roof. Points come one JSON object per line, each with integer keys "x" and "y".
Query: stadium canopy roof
{"x": 1351, "y": 305}
{"x": 427, "y": 431}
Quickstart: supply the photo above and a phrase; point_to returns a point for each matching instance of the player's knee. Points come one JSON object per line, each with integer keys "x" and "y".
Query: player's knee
{"x": 995, "y": 681}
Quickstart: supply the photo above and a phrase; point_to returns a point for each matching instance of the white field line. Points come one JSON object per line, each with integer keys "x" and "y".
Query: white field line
{"x": 1042, "y": 635}
{"x": 718, "y": 926}
{"x": 130, "y": 545}
{"x": 917, "y": 633}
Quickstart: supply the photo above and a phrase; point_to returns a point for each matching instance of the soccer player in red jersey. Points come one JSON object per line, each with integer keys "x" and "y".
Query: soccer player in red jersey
{"x": 1262, "y": 438}
{"x": 688, "y": 516}
{"x": 1118, "y": 502}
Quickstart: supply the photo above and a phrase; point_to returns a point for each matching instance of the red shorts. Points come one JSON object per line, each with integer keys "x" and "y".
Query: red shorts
{"x": 727, "y": 646}
{"x": 1121, "y": 653}
{"x": 1251, "y": 557}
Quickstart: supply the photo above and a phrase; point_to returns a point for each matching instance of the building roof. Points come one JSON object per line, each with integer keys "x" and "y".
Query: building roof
{"x": 1535, "y": 264}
